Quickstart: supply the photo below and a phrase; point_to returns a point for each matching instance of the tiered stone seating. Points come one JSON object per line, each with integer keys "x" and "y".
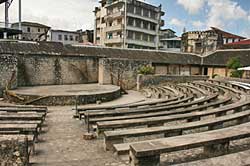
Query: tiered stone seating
{"x": 22, "y": 121}
{"x": 209, "y": 114}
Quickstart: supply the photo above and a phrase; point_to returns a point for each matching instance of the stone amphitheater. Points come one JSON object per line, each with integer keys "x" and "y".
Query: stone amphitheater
{"x": 163, "y": 120}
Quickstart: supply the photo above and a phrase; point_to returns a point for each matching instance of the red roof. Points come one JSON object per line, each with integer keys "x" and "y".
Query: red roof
{"x": 227, "y": 34}
{"x": 243, "y": 42}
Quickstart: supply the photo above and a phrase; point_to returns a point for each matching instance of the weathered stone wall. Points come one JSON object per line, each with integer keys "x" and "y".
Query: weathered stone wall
{"x": 110, "y": 70}
{"x": 8, "y": 68}
{"x": 13, "y": 152}
{"x": 56, "y": 70}
{"x": 146, "y": 80}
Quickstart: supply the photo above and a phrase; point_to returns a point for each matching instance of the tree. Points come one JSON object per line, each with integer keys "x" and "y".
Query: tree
{"x": 234, "y": 64}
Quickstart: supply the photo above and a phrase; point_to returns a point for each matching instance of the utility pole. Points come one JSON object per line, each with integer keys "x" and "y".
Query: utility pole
{"x": 125, "y": 25}
{"x": 5, "y": 34}
{"x": 20, "y": 19}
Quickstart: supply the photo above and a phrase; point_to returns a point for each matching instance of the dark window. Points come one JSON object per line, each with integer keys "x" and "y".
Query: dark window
{"x": 138, "y": 36}
{"x": 66, "y": 37}
{"x": 152, "y": 38}
{"x": 130, "y": 21}
{"x": 145, "y": 13}
{"x": 153, "y": 15}
{"x": 59, "y": 37}
{"x": 138, "y": 23}
{"x": 138, "y": 11}
{"x": 145, "y": 37}
{"x": 130, "y": 35}
{"x": 110, "y": 36}
{"x": 152, "y": 27}
{"x": 77, "y": 38}
{"x": 28, "y": 29}
{"x": 71, "y": 38}
{"x": 145, "y": 25}
{"x": 131, "y": 9}
{"x": 38, "y": 30}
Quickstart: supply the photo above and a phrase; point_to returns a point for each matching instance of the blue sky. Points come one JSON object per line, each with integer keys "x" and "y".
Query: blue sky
{"x": 230, "y": 15}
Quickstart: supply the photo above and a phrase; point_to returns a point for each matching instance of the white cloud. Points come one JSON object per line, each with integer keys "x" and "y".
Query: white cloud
{"x": 222, "y": 12}
{"x": 192, "y": 6}
{"x": 198, "y": 24}
{"x": 176, "y": 22}
{"x": 59, "y": 14}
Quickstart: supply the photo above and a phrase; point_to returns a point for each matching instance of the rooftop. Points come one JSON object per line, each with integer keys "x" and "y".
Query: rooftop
{"x": 227, "y": 34}
{"x": 32, "y": 24}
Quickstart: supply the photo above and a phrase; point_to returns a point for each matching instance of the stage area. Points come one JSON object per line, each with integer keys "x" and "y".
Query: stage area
{"x": 67, "y": 94}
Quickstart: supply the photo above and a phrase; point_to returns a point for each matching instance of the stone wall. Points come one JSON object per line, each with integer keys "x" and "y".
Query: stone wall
{"x": 146, "y": 80}
{"x": 13, "y": 152}
{"x": 56, "y": 70}
{"x": 110, "y": 70}
{"x": 8, "y": 69}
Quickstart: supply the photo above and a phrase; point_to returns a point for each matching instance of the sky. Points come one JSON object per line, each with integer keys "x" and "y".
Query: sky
{"x": 230, "y": 15}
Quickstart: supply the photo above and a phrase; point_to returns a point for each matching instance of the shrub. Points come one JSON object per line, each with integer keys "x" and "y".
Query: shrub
{"x": 234, "y": 64}
{"x": 146, "y": 70}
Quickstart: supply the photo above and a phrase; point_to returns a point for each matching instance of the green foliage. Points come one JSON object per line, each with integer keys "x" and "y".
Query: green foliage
{"x": 146, "y": 70}
{"x": 234, "y": 64}
{"x": 214, "y": 75}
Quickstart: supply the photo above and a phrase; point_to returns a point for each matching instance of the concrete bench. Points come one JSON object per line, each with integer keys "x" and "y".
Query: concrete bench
{"x": 117, "y": 137}
{"x": 233, "y": 159}
{"x": 38, "y": 122}
{"x": 205, "y": 86}
{"x": 21, "y": 114}
{"x": 217, "y": 141}
{"x": 81, "y": 111}
{"x": 21, "y": 117}
{"x": 158, "y": 107}
{"x": 15, "y": 109}
{"x": 227, "y": 85}
{"x": 159, "y": 121}
{"x": 209, "y": 104}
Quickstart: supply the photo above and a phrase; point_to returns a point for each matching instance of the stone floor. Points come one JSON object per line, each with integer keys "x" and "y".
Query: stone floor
{"x": 62, "y": 144}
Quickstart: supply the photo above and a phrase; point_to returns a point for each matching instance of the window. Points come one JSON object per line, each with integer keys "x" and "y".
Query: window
{"x": 28, "y": 29}
{"x": 152, "y": 38}
{"x": 145, "y": 37}
{"x": 71, "y": 38}
{"x": 153, "y": 15}
{"x": 138, "y": 23}
{"x": 66, "y": 37}
{"x": 130, "y": 9}
{"x": 130, "y": 21}
{"x": 145, "y": 13}
{"x": 38, "y": 30}
{"x": 77, "y": 38}
{"x": 145, "y": 25}
{"x": 59, "y": 37}
{"x": 110, "y": 36}
{"x": 138, "y": 11}
{"x": 137, "y": 36}
{"x": 152, "y": 27}
{"x": 130, "y": 35}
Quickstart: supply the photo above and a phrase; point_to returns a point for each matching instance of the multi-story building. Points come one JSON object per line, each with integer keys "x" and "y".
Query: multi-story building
{"x": 86, "y": 36}
{"x": 127, "y": 24}
{"x": 63, "y": 36}
{"x": 32, "y": 31}
{"x": 204, "y": 42}
{"x": 169, "y": 41}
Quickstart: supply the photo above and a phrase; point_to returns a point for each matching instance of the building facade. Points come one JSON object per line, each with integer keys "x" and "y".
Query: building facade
{"x": 127, "y": 24}
{"x": 205, "y": 42}
{"x": 32, "y": 31}
{"x": 169, "y": 41}
{"x": 65, "y": 37}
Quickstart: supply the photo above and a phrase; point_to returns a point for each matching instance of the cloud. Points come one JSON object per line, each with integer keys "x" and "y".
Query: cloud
{"x": 198, "y": 24}
{"x": 176, "y": 22}
{"x": 223, "y": 12}
{"x": 192, "y": 6}
{"x": 63, "y": 14}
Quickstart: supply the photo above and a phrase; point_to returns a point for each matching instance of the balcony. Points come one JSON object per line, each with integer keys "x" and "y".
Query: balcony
{"x": 114, "y": 40}
{"x": 114, "y": 3}
{"x": 141, "y": 43}
{"x": 143, "y": 18}
{"x": 147, "y": 31}
{"x": 112, "y": 16}
{"x": 114, "y": 28}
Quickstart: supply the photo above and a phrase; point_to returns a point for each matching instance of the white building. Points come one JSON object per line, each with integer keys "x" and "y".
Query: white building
{"x": 65, "y": 37}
